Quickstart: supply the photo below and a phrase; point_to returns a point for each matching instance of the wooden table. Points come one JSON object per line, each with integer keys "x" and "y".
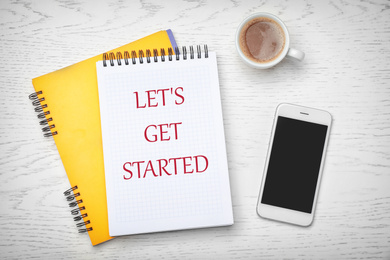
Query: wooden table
{"x": 346, "y": 71}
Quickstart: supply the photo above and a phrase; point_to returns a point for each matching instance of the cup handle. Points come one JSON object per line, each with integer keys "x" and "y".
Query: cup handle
{"x": 296, "y": 54}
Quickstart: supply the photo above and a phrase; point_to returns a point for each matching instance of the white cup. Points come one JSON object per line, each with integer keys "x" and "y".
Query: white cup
{"x": 287, "y": 51}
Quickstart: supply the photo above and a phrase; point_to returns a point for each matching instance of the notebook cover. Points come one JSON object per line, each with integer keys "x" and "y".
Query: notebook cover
{"x": 72, "y": 97}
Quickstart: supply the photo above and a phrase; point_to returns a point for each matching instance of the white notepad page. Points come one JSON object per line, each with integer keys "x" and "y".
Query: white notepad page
{"x": 164, "y": 145}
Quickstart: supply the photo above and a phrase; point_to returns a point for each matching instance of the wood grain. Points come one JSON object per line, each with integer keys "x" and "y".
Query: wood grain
{"x": 346, "y": 71}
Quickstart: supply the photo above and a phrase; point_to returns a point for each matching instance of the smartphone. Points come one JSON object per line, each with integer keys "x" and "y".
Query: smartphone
{"x": 294, "y": 164}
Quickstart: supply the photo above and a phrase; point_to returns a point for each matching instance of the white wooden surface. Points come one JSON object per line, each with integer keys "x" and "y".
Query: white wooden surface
{"x": 346, "y": 71}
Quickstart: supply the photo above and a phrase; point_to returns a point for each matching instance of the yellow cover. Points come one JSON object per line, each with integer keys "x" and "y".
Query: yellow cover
{"x": 71, "y": 95}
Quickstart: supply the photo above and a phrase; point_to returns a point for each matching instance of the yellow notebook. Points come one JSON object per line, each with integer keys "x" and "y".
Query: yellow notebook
{"x": 69, "y": 102}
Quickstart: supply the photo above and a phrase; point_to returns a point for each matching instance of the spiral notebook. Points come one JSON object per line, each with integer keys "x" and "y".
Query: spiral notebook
{"x": 163, "y": 141}
{"x": 67, "y": 99}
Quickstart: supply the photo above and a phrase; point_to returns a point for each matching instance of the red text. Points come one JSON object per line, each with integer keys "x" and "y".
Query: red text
{"x": 159, "y": 97}
{"x": 165, "y": 167}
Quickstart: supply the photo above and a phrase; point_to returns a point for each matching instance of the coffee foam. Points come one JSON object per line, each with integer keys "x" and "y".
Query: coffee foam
{"x": 262, "y": 39}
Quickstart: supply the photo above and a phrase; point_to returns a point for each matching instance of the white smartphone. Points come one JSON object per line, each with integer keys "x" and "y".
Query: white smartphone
{"x": 294, "y": 164}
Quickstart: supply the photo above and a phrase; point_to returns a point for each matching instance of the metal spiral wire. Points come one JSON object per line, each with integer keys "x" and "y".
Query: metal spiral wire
{"x": 134, "y": 57}
{"x": 72, "y": 196}
{"x": 40, "y": 108}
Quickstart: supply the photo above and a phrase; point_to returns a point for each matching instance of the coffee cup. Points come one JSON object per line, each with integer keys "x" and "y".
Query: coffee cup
{"x": 262, "y": 41}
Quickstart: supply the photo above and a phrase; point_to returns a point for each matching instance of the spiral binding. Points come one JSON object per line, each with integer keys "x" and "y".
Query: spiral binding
{"x": 131, "y": 57}
{"x": 71, "y": 196}
{"x": 40, "y": 108}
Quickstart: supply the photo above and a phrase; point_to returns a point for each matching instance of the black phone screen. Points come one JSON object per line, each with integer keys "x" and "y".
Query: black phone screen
{"x": 294, "y": 164}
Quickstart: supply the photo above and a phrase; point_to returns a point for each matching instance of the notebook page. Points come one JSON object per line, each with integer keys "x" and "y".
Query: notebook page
{"x": 164, "y": 146}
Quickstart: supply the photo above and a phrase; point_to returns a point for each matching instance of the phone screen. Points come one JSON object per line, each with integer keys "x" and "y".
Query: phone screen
{"x": 294, "y": 164}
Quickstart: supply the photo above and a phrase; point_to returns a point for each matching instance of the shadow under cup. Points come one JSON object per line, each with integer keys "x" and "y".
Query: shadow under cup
{"x": 262, "y": 41}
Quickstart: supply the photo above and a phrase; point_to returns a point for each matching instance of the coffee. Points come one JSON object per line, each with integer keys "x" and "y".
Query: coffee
{"x": 262, "y": 39}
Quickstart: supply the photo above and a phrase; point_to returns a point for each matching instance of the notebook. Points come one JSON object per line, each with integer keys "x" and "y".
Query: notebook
{"x": 163, "y": 142}
{"x": 68, "y": 101}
